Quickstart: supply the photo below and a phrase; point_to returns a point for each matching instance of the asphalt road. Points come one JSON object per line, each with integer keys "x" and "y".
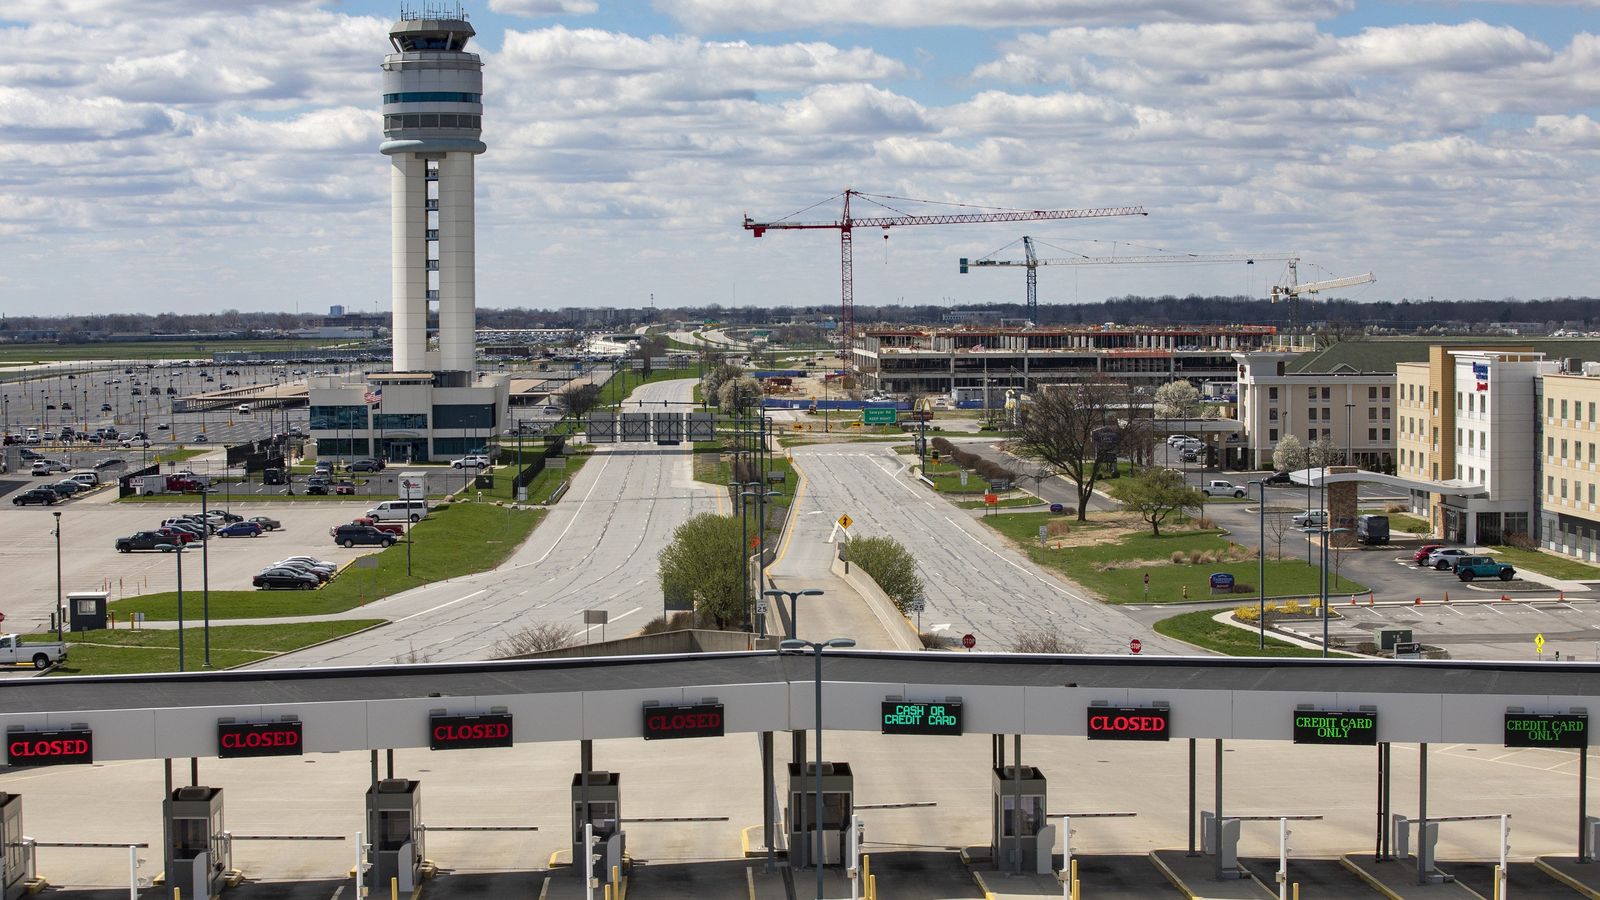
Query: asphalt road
{"x": 975, "y": 582}
{"x": 595, "y": 550}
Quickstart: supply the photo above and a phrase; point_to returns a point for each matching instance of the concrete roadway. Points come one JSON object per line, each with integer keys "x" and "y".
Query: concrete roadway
{"x": 975, "y": 581}
{"x": 595, "y": 550}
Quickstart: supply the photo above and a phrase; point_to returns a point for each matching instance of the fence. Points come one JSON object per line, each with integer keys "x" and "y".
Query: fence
{"x": 555, "y": 445}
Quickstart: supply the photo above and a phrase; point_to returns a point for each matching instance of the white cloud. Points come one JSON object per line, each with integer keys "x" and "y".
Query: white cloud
{"x": 536, "y": 8}
{"x": 775, "y": 15}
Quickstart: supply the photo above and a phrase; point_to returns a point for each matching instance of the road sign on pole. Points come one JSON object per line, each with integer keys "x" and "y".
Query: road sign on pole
{"x": 1135, "y": 645}
{"x": 968, "y": 641}
{"x": 991, "y": 499}
{"x": 845, "y": 521}
{"x": 879, "y": 415}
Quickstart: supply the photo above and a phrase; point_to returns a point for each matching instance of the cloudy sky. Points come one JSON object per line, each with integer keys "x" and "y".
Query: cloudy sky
{"x": 207, "y": 154}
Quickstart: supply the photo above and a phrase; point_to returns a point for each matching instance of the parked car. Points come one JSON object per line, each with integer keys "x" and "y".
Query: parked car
{"x": 366, "y": 465}
{"x": 1470, "y": 567}
{"x": 201, "y": 439}
{"x": 1279, "y": 478}
{"x": 1222, "y": 489}
{"x": 1426, "y": 550}
{"x": 1445, "y": 557}
{"x": 1311, "y": 518}
{"x": 267, "y": 523}
{"x": 143, "y": 540}
{"x": 470, "y": 462}
{"x": 344, "y": 488}
{"x": 40, "y": 655}
{"x": 239, "y": 529}
{"x": 317, "y": 572}
{"x": 39, "y": 496}
{"x": 284, "y": 578}
{"x": 390, "y": 527}
{"x": 326, "y": 564}
{"x": 49, "y": 467}
{"x": 1372, "y": 529}
{"x": 351, "y": 535}
{"x": 68, "y": 488}
{"x": 178, "y": 535}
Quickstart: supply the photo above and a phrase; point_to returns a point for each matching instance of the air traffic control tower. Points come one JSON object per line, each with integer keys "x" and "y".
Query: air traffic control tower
{"x": 432, "y": 124}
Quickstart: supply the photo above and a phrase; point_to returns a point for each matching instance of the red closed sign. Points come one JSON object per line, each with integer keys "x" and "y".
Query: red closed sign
{"x": 1107, "y": 723}
{"x": 50, "y": 748}
{"x": 670, "y": 722}
{"x": 246, "y": 739}
{"x": 469, "y": 732}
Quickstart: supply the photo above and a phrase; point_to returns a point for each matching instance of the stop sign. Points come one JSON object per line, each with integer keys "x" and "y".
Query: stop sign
{"x": 1135, "y": 646}
{"x": 968, "y": 641}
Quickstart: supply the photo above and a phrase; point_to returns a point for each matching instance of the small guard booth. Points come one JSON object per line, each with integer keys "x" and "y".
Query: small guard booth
{"x": 394, "y": 823}
{"x": 1017, "y": 839}
{"x": 198, "y": 853}
{"x": 597, "y": 801}
{"x": 16, "y": 863}
{"x": 811, "y": 842}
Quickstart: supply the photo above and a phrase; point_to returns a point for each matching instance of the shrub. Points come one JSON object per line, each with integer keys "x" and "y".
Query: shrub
{"x": 1196, "y": 557}
{"x": 1521, "y": 541}
{"x": 1177, "y": 557}
{"x": 1246, "y": 613}
{"x": 1042, "y": 640}
{"x": 534, "y": 639}
{"x": 1204, "y": 523}
{"x": 931, "y": 641}
{"x": 1291, "y": 607}
{"x": 1058, "y": 528}
{"x": 1396, "y": 508}
{"x": 891, "y": 565}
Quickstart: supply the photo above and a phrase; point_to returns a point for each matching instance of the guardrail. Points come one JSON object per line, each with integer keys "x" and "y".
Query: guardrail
{"x": 559, "y": 492}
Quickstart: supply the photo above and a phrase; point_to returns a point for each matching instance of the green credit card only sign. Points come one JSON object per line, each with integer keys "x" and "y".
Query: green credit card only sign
{"x": 1560, "y": 731}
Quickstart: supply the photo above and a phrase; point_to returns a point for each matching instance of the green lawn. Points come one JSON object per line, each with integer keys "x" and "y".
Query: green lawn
{"x": 543, "y": 484}
{"x": 1198, "y": 628}
{"x": 1408, "y": 524}
{"x": 1004, "y": 503}
{"x": 1548, "y": 564}
{"x": 455, "y": 540}
{"x": 179, "y": 454}
{"x": 1116, "y": 570}
{"x": 946, "y": 478}
{"x": 121, "y": 651}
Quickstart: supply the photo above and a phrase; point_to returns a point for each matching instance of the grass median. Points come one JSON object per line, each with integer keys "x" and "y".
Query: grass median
{"x": 123, "y": 651}
{"x": 1547, "y": 564}
{"x": 454, "y": 540}
{"x": 1202, "y": 630}
{"x": 1178, "y": 564}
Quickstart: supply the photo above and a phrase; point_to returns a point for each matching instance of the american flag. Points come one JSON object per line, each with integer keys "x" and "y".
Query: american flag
{"x": 374, "y": 396}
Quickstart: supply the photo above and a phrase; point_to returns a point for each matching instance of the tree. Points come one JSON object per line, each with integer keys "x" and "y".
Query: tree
{"x": 650, "y": 346}
{"x": 891, "y": 565}
{"x": 1290, "y": 454}
{"x": 705, "y": 563}
{"x": 738, "y": 395}
{"x": 1177, "y": 400}
{"x": 720, "y": 374}
{"x": 1058, "y": 429}
{"x": 576, "y": 400}
{"x": 1324, "y": 452}
{"x": 1155, "y": 494}
{"x": 1277, "y": 525}
{"x": 536, "y": 639}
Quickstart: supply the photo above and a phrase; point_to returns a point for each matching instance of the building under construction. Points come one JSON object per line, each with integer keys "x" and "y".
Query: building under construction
{"x": 963, "y": 363}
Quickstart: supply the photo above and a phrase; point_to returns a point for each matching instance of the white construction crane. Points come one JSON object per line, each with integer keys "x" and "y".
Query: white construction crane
{"x": 1291, "y": 292}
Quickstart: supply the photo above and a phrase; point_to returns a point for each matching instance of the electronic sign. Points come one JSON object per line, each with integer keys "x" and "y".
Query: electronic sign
{"x": 50, "y": 748}
{"x": 1356, "y": 729}
{"x": 469, "y": 732}
{"x": 1128, "y": 723}
{"x": 670, "y": 722}
{"x": 242, "y": 739}
{"x": 1560, "y": 731}
{"x": 921, "y": 718}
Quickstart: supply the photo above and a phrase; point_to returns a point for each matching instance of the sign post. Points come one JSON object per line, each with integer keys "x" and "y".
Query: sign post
{"x": 1135, "y": 645}
{"x": 879, "y": 415}
{"x": 968, "y": 641}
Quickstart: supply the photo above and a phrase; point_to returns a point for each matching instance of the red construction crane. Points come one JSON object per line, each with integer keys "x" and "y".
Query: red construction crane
{"x": 845, "y": 223}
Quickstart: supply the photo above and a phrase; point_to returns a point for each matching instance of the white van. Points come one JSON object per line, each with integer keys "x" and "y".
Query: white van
{"x": 398, "y": 510}
{"x": 87, "y": 479}
{"x": 244, "y": 407}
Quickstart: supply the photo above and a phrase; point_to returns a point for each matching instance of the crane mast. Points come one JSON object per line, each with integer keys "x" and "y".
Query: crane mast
{"x": 846, "y": 224}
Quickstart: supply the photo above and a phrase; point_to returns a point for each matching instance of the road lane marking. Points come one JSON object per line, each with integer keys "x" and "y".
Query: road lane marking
{"x": 576, "y": 514}
{"x": 439, "y": 607}
{"x": 799, "y": 493}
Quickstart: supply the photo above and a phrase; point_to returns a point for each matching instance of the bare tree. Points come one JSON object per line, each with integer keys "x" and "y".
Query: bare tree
{"x": 1277, "y": 525}
{"x": 650, "y": 347}
{"x": 1043, "y": 640}
{"x": 576, "y": 400}
{"x": 1058, "y": 429}
{"x": 536, "y": 639}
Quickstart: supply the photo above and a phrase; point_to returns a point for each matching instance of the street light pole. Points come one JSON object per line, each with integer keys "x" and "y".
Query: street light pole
{"x": 794, "y": 607}
{"x": 1261, "y": 559}
{"x": 60, "y": 614}
{"x": 177, "y": 551}
{"x": 816, "y": 648}
{"x": 205, "y": 572}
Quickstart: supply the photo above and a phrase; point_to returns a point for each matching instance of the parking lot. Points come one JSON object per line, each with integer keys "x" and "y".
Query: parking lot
{"x": 88, "y": 562}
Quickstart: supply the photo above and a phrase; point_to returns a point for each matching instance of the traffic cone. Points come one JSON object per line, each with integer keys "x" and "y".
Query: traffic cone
{"x": 1417, "y": 602}
{"x": 1562, "y": 596}
{"x": 1447, "y": 596}
{"x": 1504, "y": 598}
{"x": 1370, "y": 598}
{"x": 1352, "y": 599}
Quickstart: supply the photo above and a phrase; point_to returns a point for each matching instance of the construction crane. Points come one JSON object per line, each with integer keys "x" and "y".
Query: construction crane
{"x": 846, "y": 223}
{"x": 1291, "y": 292}
{"x": 1032, "y": 262}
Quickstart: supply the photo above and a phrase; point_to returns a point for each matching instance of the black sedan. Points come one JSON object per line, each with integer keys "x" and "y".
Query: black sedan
{"x": 285, "y": 578}
{"x": 40, "y": 496}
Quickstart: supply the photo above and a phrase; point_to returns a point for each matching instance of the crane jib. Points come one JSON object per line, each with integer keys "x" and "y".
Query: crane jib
{"x": 952, "y": 218}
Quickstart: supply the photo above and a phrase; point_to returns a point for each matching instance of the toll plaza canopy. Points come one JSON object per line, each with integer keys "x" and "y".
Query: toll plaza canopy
{"x": 170, "y": 716}
{"x": 1319, "y": 477}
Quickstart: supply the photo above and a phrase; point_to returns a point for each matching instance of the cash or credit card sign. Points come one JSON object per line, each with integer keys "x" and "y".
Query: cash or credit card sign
{"x": 921, "y": 718}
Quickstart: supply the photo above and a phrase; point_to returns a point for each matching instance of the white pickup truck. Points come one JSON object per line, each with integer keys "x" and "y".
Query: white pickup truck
{"x": 40, "y": 655}
{"x": 1222, "y": 489}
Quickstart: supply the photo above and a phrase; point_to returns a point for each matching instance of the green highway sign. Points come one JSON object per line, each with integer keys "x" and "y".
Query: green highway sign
{"x": 878, "y": 415}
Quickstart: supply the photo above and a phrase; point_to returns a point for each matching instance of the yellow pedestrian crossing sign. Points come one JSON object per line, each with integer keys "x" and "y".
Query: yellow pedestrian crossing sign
{"x": 1538, "y": 643}
{"x": 845, "y": 521}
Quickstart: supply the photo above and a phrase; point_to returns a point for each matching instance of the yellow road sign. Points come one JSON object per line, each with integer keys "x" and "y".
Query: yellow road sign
{"x": 1538, "y": 643}
{"x": 845, "y": 522}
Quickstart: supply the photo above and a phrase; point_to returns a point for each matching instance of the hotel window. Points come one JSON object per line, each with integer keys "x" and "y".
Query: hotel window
{"x": 1327, "y": 393}
{"x": 1591, "y": 492}
{"x": 1549, "y": 486}
{"x": 1386, "y": 435}
{"x": 1563, "y": 449}
{"x": 1550, "y": 407}
{"x": 1311, "y": 393}
{"x": 1549, "y": 447}
{"x": 1563, "y": 489}
{"x": 1386, "y": 394}
{"x": 1372, "y": 393}
{"x": 1591, "y": 454}
{"x": 1591, "y": 412}
{"x": 1372, "y": 414}
{"x": 1272, "y": 435}
{"x": 1272, "y": 393}
{"x": 1386, "y": 413}
{"x": 1563, "y": 410}
{"x": 1372, "y": 434}
{"x": 1311, "y": 434}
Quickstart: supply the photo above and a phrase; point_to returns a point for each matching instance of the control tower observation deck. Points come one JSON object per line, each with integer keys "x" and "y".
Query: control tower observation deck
{"x": 432, "y": 124}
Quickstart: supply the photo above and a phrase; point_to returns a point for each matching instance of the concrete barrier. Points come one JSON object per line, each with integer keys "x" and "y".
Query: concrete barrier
{"x": 689, "y": 640}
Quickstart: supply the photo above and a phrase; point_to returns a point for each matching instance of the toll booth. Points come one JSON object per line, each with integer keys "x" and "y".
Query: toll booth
{"x": 1027, "y": 821}
{"x": 394, "y": 828}
{"x": 86, "y": 610}
{"x": 16, "y": 863}
{"x": 602, "y": 792}
{"x": 826, "y": 842}
{"x": 198, "y": 854}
